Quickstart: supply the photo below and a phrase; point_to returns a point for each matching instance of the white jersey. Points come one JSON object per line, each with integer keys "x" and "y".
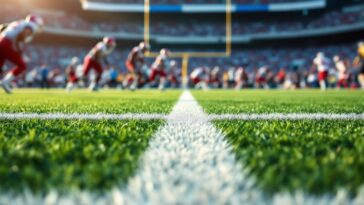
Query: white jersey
{"x": 100, "y": 48}
{"x": 239, "y": 74}
{"x": 341, "y": 68}
{"x": 262, "y": 72}
{"x": 161, "y": 63}
{"x": 322, "y": 64}
{"x": 13, "y": 30}
{"x": 197, "y": 73}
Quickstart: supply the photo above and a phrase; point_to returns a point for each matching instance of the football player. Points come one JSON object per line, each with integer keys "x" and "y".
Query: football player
{"x": 359, "y": 62}
{"x": 160, "y": 68}
{"x": 261, "y": 77}
{"x": 94, "y": 59}
{"x": 71, "y": 72}
{"x": 215, "y": 78}
{"x": 322, "y": 64}
{"x": 13, "y": 40}
{"x": 342, "y": 72}
{"x": 241, "y": 78}
{"x": 174, "y": 74}
{"x": 199, "y": 77}
{"x": 136, "y": 63}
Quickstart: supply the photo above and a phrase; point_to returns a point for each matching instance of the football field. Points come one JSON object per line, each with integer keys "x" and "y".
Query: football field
{"x": 182, "y": 147}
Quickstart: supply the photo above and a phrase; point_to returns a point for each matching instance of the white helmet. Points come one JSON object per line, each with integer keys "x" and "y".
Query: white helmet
{"x": 165, "y": 52}
{"x": 361, "y": 44}
{"x": 320, "y": 54}
{"x": 336, "y": 58}
{"x": 144, "y": 46}
{"x": 36, "y": 22}
{"x": 109, "y": 41}
{"x": 74, "y": 60}
{"x": 173, "y": 63}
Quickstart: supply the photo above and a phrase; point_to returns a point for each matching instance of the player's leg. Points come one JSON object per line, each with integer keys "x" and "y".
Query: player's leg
{"x": 136, "y": 77}
{"x": 133, "y": 75}
{"x": 239, "y": 85}
{"x": 2, "y": 62}
{"x": 70, "y": 86}
{"x": 15, "y": 58}
{"x": 72, "y": 83}
{"x": 322, "y": 80}
{"x": 361, "y": 80}
{"x": 153, "y": 75}
{"x": 94, "y": 86}
{"x": 87, "y": 65}
{"x": 163, "y": 79}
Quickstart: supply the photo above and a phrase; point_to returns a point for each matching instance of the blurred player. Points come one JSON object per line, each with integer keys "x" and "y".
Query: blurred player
{"x": 71, "y": 72}
{"x": 261, "y": 77}
{"x": 173, "y": 74}
{"x": 199, "y": 77}
{"x": 241, "y": 78}
{"x": 280, "y": 78}
{"x": 322, "y": 63}
{"x": 160, "y": 68}
{"x": 215, "y": 78}
{"x": 135, "y": 63}
{"x": 359, "y": 62}
{"x": 94, "y": 59}
{"x": 342, "y": 72}
{"x": 13, "y": 40}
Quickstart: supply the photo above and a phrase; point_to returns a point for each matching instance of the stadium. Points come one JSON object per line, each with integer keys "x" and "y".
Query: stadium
{"x": 182, "y": 102}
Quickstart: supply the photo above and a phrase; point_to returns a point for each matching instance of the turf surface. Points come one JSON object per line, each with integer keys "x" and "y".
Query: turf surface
{"x": 276, "y": 101}
{"x": 68, "y": 154}
{"x": 82, "y": 101}
{"x": 314, "y": 156}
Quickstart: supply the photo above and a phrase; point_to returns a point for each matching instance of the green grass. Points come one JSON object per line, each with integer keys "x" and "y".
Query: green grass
{"x": 68, "y": 154}
{"x": 302, "y": 101}
{"x": 314, "y": 156}
{"x": 82, "y": 101}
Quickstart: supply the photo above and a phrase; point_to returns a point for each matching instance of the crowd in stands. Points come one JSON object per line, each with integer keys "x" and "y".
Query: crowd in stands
{"x": 171, "y": 27}
{"x": 260, "y": 68}
{"x": 177, "y": 2}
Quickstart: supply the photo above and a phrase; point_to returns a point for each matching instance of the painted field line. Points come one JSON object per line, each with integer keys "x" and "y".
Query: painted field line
{"x": 78, "y": 116}
{"x": 151, "y": 116}
{"x": 189, "y": 162}
{"x": 288, "y": 116}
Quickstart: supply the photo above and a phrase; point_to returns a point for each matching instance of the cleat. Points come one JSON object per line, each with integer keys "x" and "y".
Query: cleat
{"x": 93, "y": 87}
{"x": 6, "y": 87}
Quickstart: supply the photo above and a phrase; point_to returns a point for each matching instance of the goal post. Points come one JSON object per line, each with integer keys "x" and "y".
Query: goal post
{"x": 187, "y": 55}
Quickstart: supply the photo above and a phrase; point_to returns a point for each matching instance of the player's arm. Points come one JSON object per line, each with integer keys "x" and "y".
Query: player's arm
{"x": 356, "y": 61}
{"x": 3, "y": 27}
{"x": 106, "y": 61}
{"x": 24, "y": 37}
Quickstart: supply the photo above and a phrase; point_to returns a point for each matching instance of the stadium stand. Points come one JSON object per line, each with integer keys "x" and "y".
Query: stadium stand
{"x": 200, "y": 1}
{"x": 191, "y": 28}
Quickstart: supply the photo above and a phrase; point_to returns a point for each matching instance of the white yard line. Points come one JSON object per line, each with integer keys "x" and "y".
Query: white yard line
{"x": 149, "y": 116}
{"x": 288, "y": 116}
{"x": 189, "y": 162}
{"x": 77, "y": 116}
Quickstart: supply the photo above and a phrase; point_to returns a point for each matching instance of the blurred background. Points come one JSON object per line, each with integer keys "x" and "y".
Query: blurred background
{"x": 280, "y": 36}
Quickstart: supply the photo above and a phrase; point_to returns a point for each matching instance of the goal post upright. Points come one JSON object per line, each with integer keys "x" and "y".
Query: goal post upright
{"x": 187, "y": 55}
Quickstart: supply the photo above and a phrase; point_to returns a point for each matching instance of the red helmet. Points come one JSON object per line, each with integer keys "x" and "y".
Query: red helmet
{"x": 109, "y": 41}
{"x": 36, "y": 20}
